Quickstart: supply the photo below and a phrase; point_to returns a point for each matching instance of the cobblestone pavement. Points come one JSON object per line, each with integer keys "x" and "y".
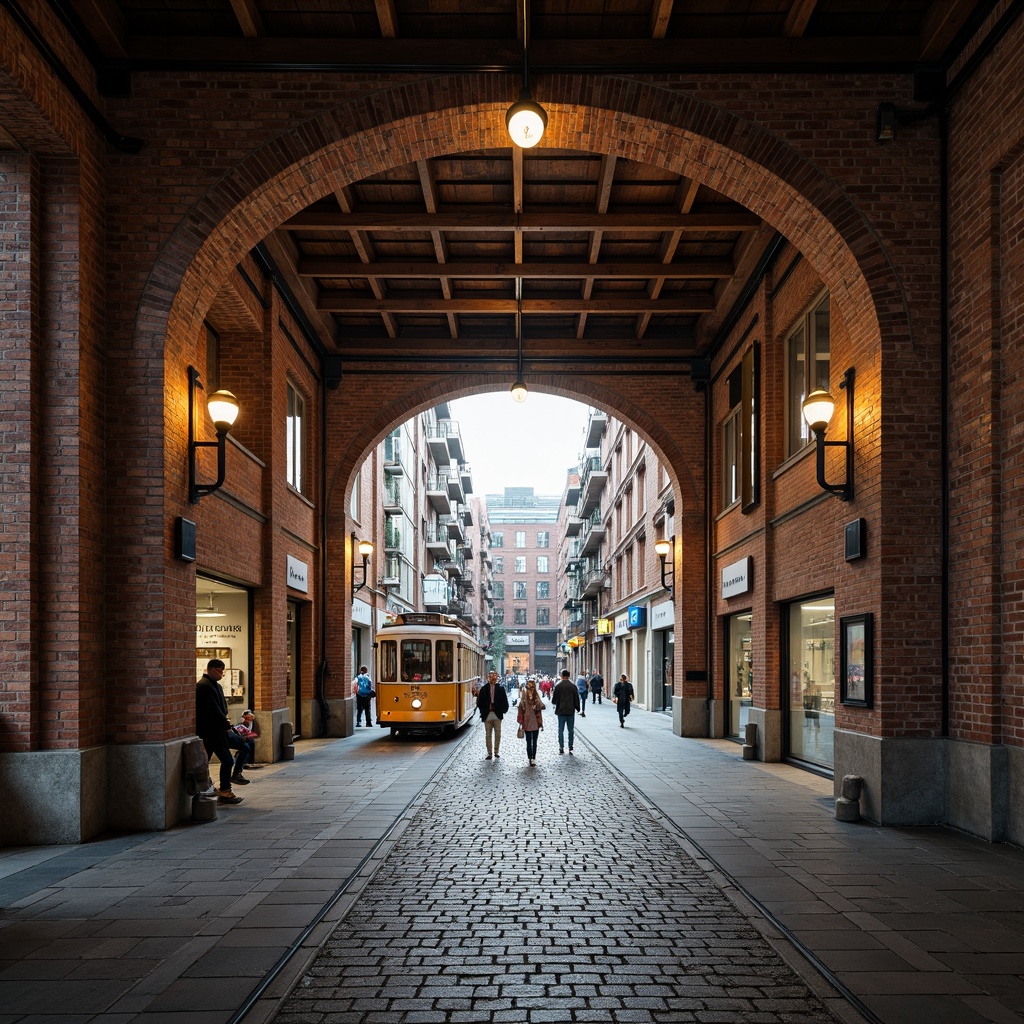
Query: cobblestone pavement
{"x": 544, "y": 894}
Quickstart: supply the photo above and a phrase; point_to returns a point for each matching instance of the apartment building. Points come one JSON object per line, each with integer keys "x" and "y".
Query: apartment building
{"x": 615, "y": 591}
{"x": 524, "y": 551}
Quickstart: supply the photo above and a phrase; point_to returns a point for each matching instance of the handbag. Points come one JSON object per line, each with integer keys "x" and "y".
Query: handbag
{"x": 520, "y": 734}
{"x": 372, "y": 694}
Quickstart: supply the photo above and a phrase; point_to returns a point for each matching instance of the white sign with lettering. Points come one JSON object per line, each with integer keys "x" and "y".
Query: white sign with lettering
{"x": 298, "y": 575}
{"x": 736, "y": 577}
{"x": 663, "y": 616}
{"x": 517, "y": 640}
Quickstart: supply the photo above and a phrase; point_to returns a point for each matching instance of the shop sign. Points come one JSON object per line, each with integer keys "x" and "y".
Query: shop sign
{"x": 576, "y": 641}
{"x": 362, "y": 613}
{"x": 736, "y": 577}
{"x": 663, "y": 616}
{"x": 637, "y": 616}
{"x": 605, "y": 627}
{"x": 517, "y": 640}
{"x": 298, "y": 575}
{"x": 622, "y": 624}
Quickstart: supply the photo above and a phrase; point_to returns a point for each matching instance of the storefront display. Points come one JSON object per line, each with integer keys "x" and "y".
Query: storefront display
{"x": 740, "y": 668}
{"x": 811, "y": 690}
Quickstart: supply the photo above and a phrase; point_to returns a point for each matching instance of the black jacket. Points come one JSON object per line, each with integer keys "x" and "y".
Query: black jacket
{"x": 483, "y": 700}
{"x": 211, "y": 707}
{"x": 566, "y": 698}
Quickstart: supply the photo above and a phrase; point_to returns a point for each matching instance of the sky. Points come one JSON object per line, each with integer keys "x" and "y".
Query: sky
{"x": 528, "y": 445}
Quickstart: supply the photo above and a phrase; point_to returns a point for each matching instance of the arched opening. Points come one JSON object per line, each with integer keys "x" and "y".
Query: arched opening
{"x": 713, "y": 147}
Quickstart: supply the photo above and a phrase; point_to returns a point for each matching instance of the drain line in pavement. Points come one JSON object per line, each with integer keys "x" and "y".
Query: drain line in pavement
{"x": 809, "y": 955}
{"x": 268, "y": 979}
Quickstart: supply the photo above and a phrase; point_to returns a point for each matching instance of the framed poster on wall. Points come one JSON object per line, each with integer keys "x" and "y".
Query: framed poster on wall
{"x": 856, "y": 682}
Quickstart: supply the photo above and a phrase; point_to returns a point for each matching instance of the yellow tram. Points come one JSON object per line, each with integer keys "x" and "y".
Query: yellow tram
{"x": 428, "y": 666}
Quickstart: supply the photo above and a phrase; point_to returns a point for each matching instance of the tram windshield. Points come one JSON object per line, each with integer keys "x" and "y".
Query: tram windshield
{"x": 416, "y": 664}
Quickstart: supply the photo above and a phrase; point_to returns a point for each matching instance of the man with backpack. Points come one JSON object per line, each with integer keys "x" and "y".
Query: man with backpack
{"x": 364, "y": 693}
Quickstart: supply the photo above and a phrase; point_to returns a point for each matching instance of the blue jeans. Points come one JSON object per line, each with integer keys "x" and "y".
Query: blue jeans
{"x": 563, "y": 721}
{"x": 531, "y": 744}
{"x": 235, "y": 742}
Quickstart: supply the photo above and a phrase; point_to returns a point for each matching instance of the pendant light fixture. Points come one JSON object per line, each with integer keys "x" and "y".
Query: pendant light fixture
{"x": 526, "y": 119}
{"x": 209, "y": 612}
{"x": 518, "y": 390}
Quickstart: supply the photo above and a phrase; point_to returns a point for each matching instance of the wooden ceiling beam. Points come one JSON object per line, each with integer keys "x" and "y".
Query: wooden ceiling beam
{"x": 500, "y": 348}
{"x": 281, "y": 248}
{"x": 501, "y": 219}
{"x": 428, "y": 185}
{"x": 363, "y": 245}
{"x": 547, "y": 56}
{"x": 346, "y": 302}
{"x": 328, "y": 267}
{"x": 605, "y": 180}
{"x": 248, "y": 15}
{"x": 943, "y": 21}
{"x": 387, "y": 18}
{"x": 661, "y": 15}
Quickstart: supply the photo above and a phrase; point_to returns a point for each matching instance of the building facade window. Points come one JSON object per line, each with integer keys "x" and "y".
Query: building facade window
{"x": 498, "y": 617}
{"x": 519, "y": 591}
{"x": 543, "y": 539}
{"x": 807, "y": 368}
{"x": 520, "y": 617}
{"x": 295, "y": 432}
{"x": 520, "y": 538}
{"x": 499, "y": 590}
{"x": 520, "y": 563}
{"x": 731, "y": 458}
{"x": 497, "y": 540}
{"x": 542, "y": 563}
{"x": 543, "y": 616}
{"x": 499, "y": 563}
{"x": 543, "y": 590}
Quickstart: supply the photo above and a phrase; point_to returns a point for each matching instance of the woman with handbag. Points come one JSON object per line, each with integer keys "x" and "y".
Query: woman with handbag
{"x": 530, "y": 718}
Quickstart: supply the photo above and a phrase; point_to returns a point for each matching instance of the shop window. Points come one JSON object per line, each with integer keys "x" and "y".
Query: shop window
{"x": 740, "y": 671}
{"x": 807, "y": 368}
{"x": 811, "y": 680}
{"x": 296, "y": 439}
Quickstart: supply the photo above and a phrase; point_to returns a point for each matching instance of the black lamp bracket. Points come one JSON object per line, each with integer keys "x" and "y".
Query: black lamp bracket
{"x": 197, "y": 490}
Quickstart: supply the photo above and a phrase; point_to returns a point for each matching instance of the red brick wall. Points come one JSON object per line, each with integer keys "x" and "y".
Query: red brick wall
{"x": 986, "y": 402}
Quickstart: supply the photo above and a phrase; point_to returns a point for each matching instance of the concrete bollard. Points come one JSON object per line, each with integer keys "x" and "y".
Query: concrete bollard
{"x": 287, "y": 742}
{"x": 750, "y": 742}
{"x": 848, "y": 804}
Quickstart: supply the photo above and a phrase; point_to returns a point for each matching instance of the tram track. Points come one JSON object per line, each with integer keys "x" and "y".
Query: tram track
{"x": 807, "y": 960}
{"x": 354, "y": 882}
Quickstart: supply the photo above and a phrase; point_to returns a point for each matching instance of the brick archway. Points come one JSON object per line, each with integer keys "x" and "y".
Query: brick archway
{"x": 429, "y": 118}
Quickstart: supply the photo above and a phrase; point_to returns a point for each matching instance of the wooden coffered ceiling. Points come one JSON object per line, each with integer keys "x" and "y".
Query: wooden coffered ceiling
{"x": 608, "y": 257}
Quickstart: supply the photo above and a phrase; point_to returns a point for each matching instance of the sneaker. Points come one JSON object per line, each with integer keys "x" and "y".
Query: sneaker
{"x": 241, "y": 780}
{"x": 225, "y": 796}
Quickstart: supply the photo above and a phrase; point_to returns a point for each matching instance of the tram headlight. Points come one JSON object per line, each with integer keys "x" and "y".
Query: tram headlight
{"x": 417, "y": 703}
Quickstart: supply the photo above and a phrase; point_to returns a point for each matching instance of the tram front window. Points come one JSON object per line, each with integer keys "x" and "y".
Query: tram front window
{"x": 416, "y": 661}
{"x": 444, "y": 661}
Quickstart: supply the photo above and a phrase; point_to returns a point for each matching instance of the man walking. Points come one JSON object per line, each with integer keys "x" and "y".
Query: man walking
{"x": 623, "y": 694}
{"x": 213, "y": 726}
{"x": 492, "y": 703}
{"x": 566, "y": 701}
{"x": 583, "y": 687}
{"x": 596, "y": 687}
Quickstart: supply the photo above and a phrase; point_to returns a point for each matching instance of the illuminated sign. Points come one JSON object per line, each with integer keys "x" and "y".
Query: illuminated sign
{"x": 637, "y": 616}
{"x": 576, "y": 641}
{"x": 605, "y": 627}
